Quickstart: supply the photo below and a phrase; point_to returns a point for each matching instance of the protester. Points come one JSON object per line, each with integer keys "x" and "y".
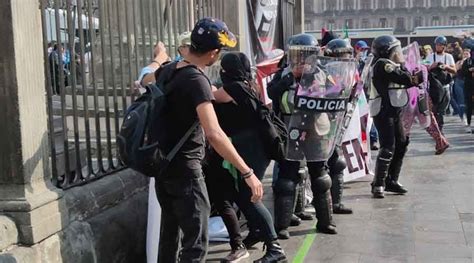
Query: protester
{"x": 467, "y": 70}
{"x": 442, "y": 67}
{"x": 458, "y": 88}
{"x": 58, "y": 63}
{"x": 181, "y": 191}
{"x": 238, "y": 117}
{"x": 390, "y": 79}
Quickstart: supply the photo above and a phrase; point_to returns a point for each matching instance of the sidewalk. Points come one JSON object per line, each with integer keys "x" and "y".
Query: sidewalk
{"x": 433, "y": 223}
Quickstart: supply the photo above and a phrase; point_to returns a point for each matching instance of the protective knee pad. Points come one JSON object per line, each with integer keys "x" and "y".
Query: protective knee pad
{"x": 284, "y": 187}
{"x": 337, "y": 166}
{"x": 385, "y": 154}
{"x": 322, "y": 183}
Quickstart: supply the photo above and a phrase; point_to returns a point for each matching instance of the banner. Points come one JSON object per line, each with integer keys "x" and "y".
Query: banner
{"x": 265, "y": 72}
{"x": 355, "y": 145}
{"x": 264, "y": 28}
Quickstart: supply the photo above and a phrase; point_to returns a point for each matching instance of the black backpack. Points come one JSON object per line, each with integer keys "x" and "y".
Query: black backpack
{"x": 272, "y": 130}
{"x": 137, "y": 141}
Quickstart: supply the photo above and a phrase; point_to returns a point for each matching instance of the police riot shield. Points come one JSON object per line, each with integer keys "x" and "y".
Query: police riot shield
{"x": 320, "y": 101}
{"x": 417, "y": 107}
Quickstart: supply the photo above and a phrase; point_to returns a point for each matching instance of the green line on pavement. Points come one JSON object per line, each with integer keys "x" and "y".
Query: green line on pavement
{"x": 304, "y": 248}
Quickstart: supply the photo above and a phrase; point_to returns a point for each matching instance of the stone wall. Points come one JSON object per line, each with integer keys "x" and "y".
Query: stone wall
{"x": 104, "y": 221}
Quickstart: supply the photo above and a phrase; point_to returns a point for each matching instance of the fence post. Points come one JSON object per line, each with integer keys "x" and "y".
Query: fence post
{"x": 26, "y": 192}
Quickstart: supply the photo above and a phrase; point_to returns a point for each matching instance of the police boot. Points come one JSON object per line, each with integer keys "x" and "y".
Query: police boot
{"x": 381, "y": 171}
{"x": 320, "y": 184}
{"x": 336, "y": 171}
{"x": 284, "y": 192}
{"x": 300, "y": 203}
{"x": 274, "y": 253}
{"x": 391, "y": 182}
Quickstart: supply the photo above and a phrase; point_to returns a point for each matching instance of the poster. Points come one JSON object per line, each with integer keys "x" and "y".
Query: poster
{"x": 355, "y": 145}
{"x": 265, "y": 30}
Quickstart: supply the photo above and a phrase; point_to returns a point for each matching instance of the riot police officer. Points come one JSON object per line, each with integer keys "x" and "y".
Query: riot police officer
{"x": 339, "y": 48}
{"x": 388, "y": 95}
{"x": 282, "y": 91}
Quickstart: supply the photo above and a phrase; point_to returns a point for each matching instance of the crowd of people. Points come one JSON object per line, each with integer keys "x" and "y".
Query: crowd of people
{"x": 223, "y": 161}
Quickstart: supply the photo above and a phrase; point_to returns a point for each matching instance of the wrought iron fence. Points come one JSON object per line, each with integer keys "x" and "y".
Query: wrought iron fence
{"x": 93, "y": 51}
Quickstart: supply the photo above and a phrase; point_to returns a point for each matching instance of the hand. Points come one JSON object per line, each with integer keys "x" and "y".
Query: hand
{"x": 256, "y": 187}
{"x": 471, "y": 69}
{"x": 160, "y": 53}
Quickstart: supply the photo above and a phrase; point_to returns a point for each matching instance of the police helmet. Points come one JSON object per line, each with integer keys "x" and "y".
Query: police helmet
{"x": 338, "y": 47}
{"x": 382, "y": 46}
{"x": 468, "y": 43}
{"x": 441, "y": 40}
{"x": 303, "y": 40}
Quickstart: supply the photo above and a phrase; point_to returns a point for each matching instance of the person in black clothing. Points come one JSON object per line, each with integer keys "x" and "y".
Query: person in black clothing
{"x": 238, "y": 117}
{"x": 387, "y": 97}
{"x": 281, "y": 90}
{"x": 181, "y": 190}
{"x": 467, "y": 71}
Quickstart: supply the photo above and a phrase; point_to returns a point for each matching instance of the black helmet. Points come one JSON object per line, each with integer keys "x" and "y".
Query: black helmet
{"x": 441, "y": 40}
{"x": 303, "y": 40}
{"x": 468, "y": 43}
{"x": 382, "y": 46}
{"x": 337, "y": 47}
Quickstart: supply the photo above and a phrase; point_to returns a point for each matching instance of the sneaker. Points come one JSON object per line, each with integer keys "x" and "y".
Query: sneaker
{"x": 237, "y": 254}
{"x": 464, "y": 121}
{"x": 468, "y": 129}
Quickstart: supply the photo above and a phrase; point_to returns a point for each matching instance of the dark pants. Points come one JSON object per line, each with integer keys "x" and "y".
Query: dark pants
{"x": 468, "y": 93}
{"x": 250, "y": 147}
{"x": 185, "y": 206}
{"x": 222, "y": 194}
{"x": 393, "y": 146}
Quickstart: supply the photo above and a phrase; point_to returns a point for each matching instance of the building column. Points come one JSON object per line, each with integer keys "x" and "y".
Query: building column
{"x": 26, "y": 193}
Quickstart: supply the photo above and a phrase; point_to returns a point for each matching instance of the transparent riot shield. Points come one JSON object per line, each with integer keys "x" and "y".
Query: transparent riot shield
{"x": 417, "y": 106}
{"x": 320, "y": 103}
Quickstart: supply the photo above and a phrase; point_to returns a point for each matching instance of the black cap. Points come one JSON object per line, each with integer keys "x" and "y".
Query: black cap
{"x": 211, "y": 33}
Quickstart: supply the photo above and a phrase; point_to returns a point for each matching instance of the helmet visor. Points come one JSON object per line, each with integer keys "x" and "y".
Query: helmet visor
{"x": 396, "y": 54}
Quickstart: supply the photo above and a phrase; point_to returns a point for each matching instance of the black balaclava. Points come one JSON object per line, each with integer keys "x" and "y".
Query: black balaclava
{"x": 235, "y": 67}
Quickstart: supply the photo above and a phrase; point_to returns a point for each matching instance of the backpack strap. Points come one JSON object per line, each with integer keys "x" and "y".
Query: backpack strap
{"x": 178, "y": 146}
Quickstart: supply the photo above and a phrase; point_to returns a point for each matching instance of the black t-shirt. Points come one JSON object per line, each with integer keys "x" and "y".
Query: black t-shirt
{"x": 188, "y": 88}
{"x": 235, "y": 118}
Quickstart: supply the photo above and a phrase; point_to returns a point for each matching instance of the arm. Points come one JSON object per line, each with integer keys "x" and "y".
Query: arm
{"x": 278, "y": 85}
{"x": 219, "y": 141}
{"x": 160, "y": 57}
{"x": 222, "y": 96}
{"x": 400, "y": 76}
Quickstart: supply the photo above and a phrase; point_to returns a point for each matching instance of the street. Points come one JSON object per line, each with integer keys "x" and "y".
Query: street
{"x": 433, "y": 223}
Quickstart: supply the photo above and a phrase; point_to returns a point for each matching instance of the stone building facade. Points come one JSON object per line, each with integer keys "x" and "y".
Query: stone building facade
{"x": 401, "y": 15}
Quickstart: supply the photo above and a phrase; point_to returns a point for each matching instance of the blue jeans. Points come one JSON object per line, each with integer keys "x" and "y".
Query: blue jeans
{"x": 373, "y": 134}
{"x": 457, "y": 97}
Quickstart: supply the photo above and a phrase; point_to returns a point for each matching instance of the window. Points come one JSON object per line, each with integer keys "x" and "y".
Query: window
{"x": 331, "y": 5}
{"x": 418, "y": 21}
{"x": 348, "y": 4}
{"x": 453, "y": 20}
{"x": 401, "y": 3}
{"x": 454, "y": 3}
{"x": 365, "y": 4}
{"x": 383, "y": 4}
{"x": 418, "y": 3}
{"x": 400, "y": 26}
{"x": 349, "y": 23}
{"x": 365, "y": 23}
{"x": 331, "y": 24}
{"x": 435, "y": 21}
{"x": 436, "y": 3}
{"x": 383, "y": 23}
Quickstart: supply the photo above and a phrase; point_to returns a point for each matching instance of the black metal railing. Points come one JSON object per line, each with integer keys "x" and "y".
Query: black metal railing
{"x": 93, "y": 52}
